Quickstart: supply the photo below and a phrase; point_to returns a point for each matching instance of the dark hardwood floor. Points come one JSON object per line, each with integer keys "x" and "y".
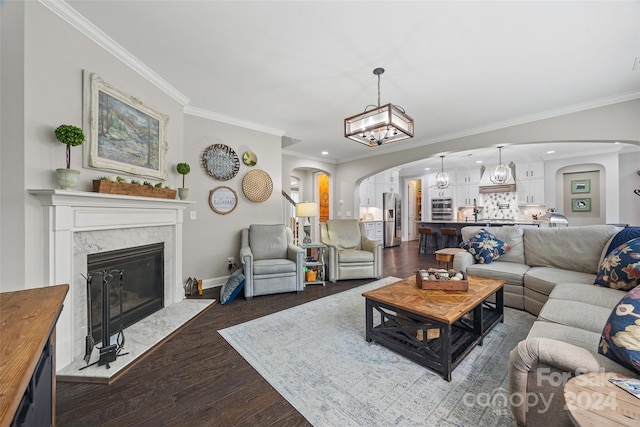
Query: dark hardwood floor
{"x": 197, "y": 379}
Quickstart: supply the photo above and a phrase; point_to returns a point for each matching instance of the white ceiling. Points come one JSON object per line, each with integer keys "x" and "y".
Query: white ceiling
{"x": 303, "y": 66}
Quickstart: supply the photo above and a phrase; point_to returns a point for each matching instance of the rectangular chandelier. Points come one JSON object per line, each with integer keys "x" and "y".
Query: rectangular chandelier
{"x": 380, "y": 125}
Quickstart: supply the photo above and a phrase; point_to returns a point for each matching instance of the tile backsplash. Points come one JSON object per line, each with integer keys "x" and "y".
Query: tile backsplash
{"x": 501, "y": 206}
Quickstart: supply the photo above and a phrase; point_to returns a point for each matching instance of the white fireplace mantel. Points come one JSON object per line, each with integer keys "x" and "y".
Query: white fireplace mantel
{"x": 66, "y": 213}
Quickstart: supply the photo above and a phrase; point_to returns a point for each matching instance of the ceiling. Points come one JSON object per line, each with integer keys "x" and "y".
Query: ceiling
{"x": 299, "y": 68}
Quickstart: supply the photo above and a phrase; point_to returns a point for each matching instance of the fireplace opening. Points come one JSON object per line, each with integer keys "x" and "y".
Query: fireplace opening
{"x": 143, "y": 289}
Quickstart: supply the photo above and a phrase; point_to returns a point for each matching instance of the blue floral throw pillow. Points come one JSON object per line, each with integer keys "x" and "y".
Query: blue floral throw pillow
{"x": 485, "y": 247}
{"x": 621, "y": 268}
{"x": 232, "y": 287}
{"x": 620, "y": 339}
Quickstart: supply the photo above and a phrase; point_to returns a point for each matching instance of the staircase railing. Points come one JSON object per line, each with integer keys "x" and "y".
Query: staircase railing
{"x": 289, "y": 216}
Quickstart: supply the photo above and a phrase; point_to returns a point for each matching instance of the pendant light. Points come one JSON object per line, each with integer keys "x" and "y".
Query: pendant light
{"x": 379, "y": 124}
{"x": 501, "y": 173}
{"x": 442, "y": 178}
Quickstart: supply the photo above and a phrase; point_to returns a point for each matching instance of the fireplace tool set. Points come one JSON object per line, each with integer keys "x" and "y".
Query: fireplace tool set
{"x": 109, "y": 351}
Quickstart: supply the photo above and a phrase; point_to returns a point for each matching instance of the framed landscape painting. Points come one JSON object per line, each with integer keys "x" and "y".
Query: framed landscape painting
{"x": 123, "y": 134}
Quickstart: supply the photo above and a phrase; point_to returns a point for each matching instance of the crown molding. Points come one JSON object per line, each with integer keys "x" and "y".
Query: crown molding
{"x": 206, "y": 114}
{"x": 86, "y": 27}
{"x": 307, "y": 157}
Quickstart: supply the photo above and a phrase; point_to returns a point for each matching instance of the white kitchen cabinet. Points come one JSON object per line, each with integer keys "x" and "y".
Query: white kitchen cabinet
{"x": 530, "y": 192}
{"x": 374, "y": 230}
{"x": 371, "y": 189}
{"x": 531, "y": 170}
{"x": 441, "y": 193}
{"x": 368, "y": 192}
{"x": 379, "y": 231}
{"x": 388, "y": 177}
{"x": 384, "y": 188}
{"x": 468, "y": 176}
{"x": 530, "y": 183}
{"x": 465, "y": 194}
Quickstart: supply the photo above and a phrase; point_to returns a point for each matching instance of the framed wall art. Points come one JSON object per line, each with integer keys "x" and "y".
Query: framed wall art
{"x": 223, "y": 200}
{"x": 123, "y": 134}
{"x": 581, "y": 205}
{"x": 580, "y": 186}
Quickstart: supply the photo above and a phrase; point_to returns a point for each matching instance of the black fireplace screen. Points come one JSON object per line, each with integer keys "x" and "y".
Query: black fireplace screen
{"x": 143, "y": 289}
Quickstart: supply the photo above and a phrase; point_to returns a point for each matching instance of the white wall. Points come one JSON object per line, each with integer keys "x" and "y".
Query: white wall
{"x": 211, "y": 238}
{"x": 12, "y": 158}
{"x": 54, "y": 56}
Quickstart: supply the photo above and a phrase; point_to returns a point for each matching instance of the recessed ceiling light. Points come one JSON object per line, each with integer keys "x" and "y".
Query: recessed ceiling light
{"x": 478, "y": 161}
{"x": 427, "y": 169}
{"x": 617, "y": 142}
{"x": 550, "y": 151}
{"x": 324, "y": 153}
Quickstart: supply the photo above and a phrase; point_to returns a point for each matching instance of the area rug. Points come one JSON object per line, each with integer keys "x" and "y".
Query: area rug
{"x": 315, "y": 355}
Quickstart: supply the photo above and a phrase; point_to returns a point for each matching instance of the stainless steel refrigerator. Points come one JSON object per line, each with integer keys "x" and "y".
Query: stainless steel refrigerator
{"x": 391, "y": 217}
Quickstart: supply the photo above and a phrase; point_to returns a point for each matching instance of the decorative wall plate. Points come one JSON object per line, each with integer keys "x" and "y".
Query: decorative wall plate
{"x": 249, "y": 158}
{"x": 220, "y": 161}
{"x": 223, "y": 200}
{"x": 257, "y": 185}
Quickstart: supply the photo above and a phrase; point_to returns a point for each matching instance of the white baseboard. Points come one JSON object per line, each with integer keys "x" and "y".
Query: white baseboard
{"x": 214, "y": 282}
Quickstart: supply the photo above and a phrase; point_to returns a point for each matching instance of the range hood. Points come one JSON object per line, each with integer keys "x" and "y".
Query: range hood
{"x": 487, "y": 186}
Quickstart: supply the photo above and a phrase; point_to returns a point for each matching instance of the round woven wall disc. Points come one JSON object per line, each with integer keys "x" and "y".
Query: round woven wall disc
{"x": 257, "y": 185}
{"x": 220, "y": 161}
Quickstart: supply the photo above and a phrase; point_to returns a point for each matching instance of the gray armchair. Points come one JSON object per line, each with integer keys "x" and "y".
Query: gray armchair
{"x": 272, "y": 263}
{"x": 352, "y": 255}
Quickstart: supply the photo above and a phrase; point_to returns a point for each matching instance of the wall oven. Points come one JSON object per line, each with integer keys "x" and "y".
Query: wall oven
{"x": 442, "y": 209}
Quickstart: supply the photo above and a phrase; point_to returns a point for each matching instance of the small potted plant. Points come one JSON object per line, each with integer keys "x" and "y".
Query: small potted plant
{"x": 70, "y": 136}
{"x": 183, "y": 169}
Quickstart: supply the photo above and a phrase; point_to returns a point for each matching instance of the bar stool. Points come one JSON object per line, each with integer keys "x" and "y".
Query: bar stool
{"x": 449, "y": 234}
{"x": 428, "y": 242}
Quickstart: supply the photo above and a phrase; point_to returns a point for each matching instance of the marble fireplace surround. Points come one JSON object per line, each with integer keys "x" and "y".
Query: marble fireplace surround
{"x": 77, "y": 223}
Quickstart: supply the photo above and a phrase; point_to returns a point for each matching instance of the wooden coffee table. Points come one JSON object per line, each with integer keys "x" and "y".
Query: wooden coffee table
{"x": 435, "y": 328}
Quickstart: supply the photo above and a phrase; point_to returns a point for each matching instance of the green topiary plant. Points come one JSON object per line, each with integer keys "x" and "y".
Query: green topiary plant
{"x": 183, "y": 169}
{"x": 71, "y": 136}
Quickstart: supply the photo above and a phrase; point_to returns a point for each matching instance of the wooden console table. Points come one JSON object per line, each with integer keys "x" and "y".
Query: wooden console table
{"x": 27, "y": 356}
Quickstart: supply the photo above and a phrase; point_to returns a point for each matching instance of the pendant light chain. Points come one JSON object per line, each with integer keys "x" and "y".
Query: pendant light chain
{"x": 378, "y": 90}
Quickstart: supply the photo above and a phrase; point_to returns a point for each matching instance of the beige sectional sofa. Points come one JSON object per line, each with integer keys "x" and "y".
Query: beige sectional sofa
{"x": 563, "y": 342}
{"x": 550, "y": 273}
{"x": 539, "y": 259}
